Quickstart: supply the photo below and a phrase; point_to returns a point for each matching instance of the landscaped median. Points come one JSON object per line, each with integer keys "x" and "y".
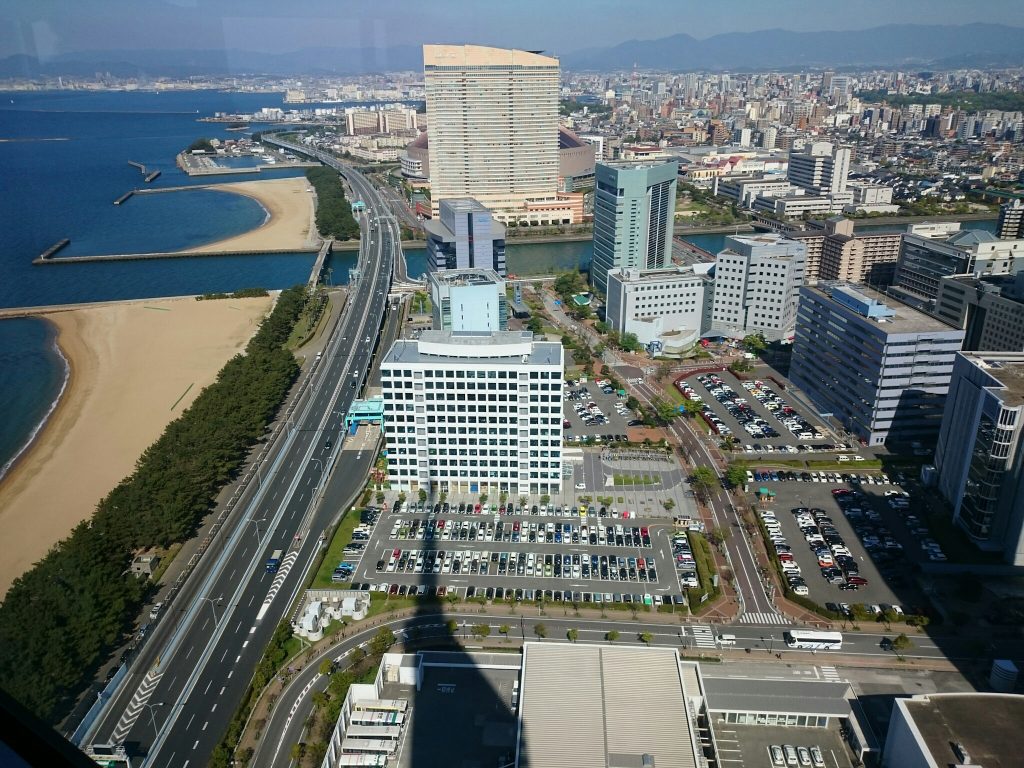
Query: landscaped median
{"x": 703, "y": 556}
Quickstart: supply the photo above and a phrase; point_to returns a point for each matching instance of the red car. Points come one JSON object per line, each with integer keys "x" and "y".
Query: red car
{"x": 860, "y": 581}
{"x": 393, "y": 589}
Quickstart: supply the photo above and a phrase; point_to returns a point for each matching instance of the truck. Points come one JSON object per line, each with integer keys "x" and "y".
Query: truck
{"x": 274, "y": 561}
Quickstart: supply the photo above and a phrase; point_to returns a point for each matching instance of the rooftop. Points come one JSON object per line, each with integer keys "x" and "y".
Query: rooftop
{"x": 1005, "y": 367}
{"x": 481, "y": 348}
{"x": 635, "y": 275}
{"x": 580, "y": 704}
{"x": 900, "y": 318}
{"x": 802, "y": 697}
{"x": 987, "y": 725}
{"x": 469, "y": 276}
{"x": 482, "y": 56}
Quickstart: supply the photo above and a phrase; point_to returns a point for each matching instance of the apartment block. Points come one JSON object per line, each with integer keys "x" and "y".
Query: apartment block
{"x": 468, "y": 300}
{"x": 757, "y": 285}
{"x": 980, "y": 453}
{"x": 879, "y": 368}
{"x": 634, "y": 207}
{"x": 464, "y": 236}
{"x": 1011, "y": 220}
{"x": 466, "y": 412}
{"x": 820, "y": 168}
{"x": 838, "y": 253}
{"x": 668, "y": 307}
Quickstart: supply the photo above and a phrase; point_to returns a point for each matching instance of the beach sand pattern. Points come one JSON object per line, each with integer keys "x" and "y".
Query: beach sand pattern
{"x": 135, "y": 366}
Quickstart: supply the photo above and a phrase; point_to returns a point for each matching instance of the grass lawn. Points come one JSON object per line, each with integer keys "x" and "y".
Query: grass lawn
{"x": 635, "y": 480}
{"x": 342, "y": 538}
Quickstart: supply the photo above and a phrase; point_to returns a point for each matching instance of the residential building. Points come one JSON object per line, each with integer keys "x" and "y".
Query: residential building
{"x": 474, "y": 413}
{"x": 494, "y": 131}
{"x": 794, "y": 206}
{"x": 1011, "y": 220}
{"x": 669, "y": 307}
{"x": 879, "y": 368}
{"x": 990, "y": 310}
{"x": 870, "y": 198}
{"x": 634, "y": 207}
{"x": 925, "y": 260}
{"x": 468, "y": 300}
{"x": 980, "y": 453}
{"x": 745, "y": 189}
{"x": 465, "y": 235}
{"x": 415, "y": 159}
{"x": 757, "y": 284}
{"x": 837, "y": 252}
{"x": 575, "y": 162}
{"x": 820, "y": 168}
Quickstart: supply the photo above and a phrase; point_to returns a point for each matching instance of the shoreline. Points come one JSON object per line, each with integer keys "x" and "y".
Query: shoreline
{"x": 38, "y": 432}
{"x": 132, "y": 368}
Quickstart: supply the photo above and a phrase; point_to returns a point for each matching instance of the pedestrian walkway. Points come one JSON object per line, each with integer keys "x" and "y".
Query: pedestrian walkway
{"x": 703, "y": 636}
{"x": 831, "y": 675}
{"x": 764, "y": 618}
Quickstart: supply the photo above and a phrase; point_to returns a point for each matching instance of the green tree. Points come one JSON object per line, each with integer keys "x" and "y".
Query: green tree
{"x": 326, "y": 667}
{"x": 380, "y": 497}
{"x": 736, "y": 474}
{"x": 504, "y": 630}
{"x": 452, "y": 626}
{"x": 901, "y": 643}
{"x": 646, "y": 637}
{"x": 629, "y": 342}
{"x": 318, "y": 699}
{"x": 664, "y": 411}
{"x": 423, "y": 495}
{"x": 703, "y": 481}
{"x": 540, "y": 630}
{"x": 381, "y": 641}
{"x": 611, "y": 635}
{"x": 754, "y": 343}
{"x": 573, "y": 634}
{"x": 480, "y": 631}
{"x": 668, "y": 504}
{"x": 297, "y": 751}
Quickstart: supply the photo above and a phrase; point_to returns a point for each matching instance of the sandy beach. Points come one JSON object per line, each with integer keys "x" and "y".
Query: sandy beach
{"x": 291, "y": 225}
{"x": 135, "y": 366}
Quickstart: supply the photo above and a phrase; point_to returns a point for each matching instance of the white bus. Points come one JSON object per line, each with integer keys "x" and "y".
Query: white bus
{"x": 813, "y": 639}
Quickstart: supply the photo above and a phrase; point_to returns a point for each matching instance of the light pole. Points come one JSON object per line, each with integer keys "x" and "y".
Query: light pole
{"x": 152, "y": 717}
{"x": 317, "y": 461}
{"x": 771, "y": 642}
{"x": 214, "y": 602}
{"x": 259, "y": 536}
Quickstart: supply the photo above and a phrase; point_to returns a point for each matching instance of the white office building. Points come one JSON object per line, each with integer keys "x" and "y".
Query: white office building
{"x": 665, "y": 308}
{"x": 468, "y": 300}
{"x": 474, "y": 413}
{"x": 757, "y": 286}
{"x": 820, "y": 168}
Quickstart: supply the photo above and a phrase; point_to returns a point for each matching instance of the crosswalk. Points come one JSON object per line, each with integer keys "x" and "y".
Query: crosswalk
{"x": 703, "y": 636}
{"x": 830, "y": 675}
{"x": 764, "y": 618}
{"x": 135, "y": 707}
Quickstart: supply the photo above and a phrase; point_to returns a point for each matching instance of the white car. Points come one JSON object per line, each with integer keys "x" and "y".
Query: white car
{"x": 581, "y": 486}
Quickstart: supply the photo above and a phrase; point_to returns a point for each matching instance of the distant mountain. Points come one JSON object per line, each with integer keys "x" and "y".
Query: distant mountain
{"x": 903, "y": 45}
{"x": 894, "y": 45}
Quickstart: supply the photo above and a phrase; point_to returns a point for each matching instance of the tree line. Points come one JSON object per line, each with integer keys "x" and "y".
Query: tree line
{"x": 333, "y": 212}
{"x": 61, "y": 619}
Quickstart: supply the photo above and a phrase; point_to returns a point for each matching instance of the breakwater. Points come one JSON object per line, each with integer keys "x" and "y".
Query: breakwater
{"x": 165, "y": 255}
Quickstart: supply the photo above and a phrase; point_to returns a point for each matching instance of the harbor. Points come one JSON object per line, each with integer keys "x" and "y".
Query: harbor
{"x": 208, "y": 165}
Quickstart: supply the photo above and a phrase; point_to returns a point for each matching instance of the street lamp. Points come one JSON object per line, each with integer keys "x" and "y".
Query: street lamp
{"x": 152, "y": 717}
{"x": 771, "y": 642}
{"x": 214, "y": 602}
{"x": 259, "y": 536}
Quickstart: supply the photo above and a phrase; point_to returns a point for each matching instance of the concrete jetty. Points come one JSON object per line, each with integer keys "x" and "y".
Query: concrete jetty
{"x": 49, "y": 252}
{"x": 153, "y": 175}
{"x": 164, "y": 255}
{"x": 123, "y": 198}
{"x": 140, "y": 166}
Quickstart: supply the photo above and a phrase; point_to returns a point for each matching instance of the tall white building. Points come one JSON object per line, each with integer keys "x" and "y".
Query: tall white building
{"x": 494, "y": 130}
{"x": 670, "y": 306}
{"x": 757, "y": 286}
{"x": 820, "y": 168}
{"x": 468, "y": 300}
{"x": 474, "y": 413}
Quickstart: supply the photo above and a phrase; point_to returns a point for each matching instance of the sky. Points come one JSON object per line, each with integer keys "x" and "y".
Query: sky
{"x": 49, "y": 27}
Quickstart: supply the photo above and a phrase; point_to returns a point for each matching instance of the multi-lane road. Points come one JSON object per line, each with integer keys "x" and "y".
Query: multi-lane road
{"x": 185, "y": 685}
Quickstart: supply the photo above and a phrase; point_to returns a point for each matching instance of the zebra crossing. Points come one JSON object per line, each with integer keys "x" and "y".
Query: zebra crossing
{"x": 703, "y": 636}
{"x": 764, "y": 618}
{"x": 275, "y": 587}
{"x": 135, "y": 707}
{"x": 830, "y": 674}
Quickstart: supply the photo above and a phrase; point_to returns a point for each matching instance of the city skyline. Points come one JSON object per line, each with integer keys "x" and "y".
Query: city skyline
{"x": 63, "y": 27}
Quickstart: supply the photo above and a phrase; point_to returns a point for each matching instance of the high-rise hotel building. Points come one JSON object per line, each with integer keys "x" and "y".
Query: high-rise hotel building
{"x": 474, "y": 412}
{"x": 493, "y": 118}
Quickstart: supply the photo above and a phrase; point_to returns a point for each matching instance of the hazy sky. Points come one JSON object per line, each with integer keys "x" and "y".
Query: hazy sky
{"x": 47, "y": 27}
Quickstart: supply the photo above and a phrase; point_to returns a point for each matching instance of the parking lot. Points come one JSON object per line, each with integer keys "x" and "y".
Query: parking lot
{"x": 861, "y": 536}
{"x": 523, "y": 554}
{"x": 750, "y": 746}
{"x": 757, "y": 414}
{"x": 594, "y": 411}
